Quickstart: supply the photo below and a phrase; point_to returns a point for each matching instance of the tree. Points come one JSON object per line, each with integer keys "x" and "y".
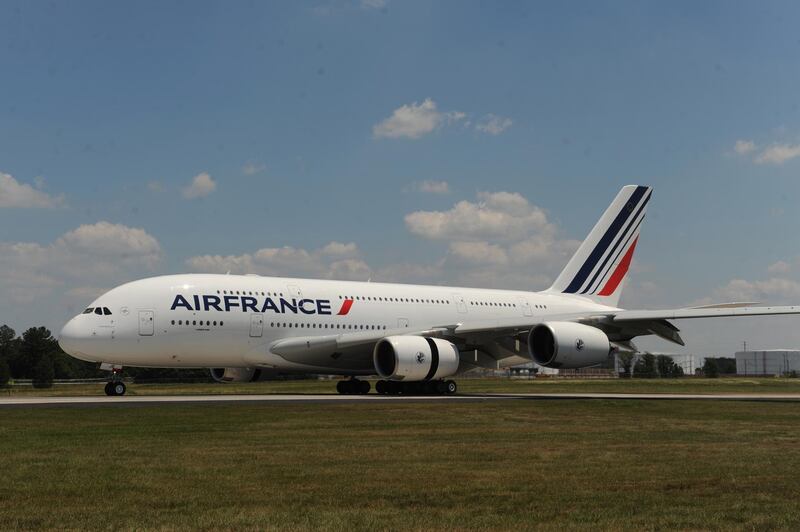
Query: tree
{"x": 35, "y": 343}
{"x": 43, "y": 373}
{"x": 710, "y": 368}
{"x": 5, "y": 373}
{"x": 625, "y": 359}
{"x": 645, "y": 367}
{"x": 667, "y": 368}
{"x": 7, "y": 336}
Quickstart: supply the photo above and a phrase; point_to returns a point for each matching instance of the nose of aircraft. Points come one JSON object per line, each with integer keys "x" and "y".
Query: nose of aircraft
{"x": 70, "y": 337}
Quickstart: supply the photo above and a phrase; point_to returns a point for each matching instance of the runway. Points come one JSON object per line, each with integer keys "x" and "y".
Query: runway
{"x": 11, "y": 402}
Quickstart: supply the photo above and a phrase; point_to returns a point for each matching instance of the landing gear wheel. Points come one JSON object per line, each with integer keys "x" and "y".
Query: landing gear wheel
{"x": 441, "y": 387}
{"x": 115, "y": 388}
{"x": 451, "y": 387}
{"x": 341, "y": 387}
{"x": 363, "y": 387}
{"x": 380, "y": 387}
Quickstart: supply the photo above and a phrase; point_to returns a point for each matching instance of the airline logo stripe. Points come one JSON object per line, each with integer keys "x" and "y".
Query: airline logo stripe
{"x": 619, "y": 273}
{"x": 608, "y": 238}
{"x": 345, "y": 307}
{"x": 604, "y": 277}
{"x": 623, "y": 241}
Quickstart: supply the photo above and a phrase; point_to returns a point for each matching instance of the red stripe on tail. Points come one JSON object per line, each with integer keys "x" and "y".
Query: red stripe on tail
{"x": 619, "y": 273}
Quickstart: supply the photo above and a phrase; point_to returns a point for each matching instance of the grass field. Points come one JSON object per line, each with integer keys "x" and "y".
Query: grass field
{"x": 547, "y": 465}
{"x": 492, "y": 385}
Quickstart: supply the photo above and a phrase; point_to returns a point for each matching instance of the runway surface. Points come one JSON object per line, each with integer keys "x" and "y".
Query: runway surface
{"x": 333, "y": 398}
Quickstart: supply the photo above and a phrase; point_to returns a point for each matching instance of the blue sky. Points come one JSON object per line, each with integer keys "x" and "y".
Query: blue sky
{"x": 319, "y": 122}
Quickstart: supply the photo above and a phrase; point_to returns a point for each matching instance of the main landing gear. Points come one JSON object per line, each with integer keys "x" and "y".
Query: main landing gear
{"x": 115, "y": 387}
{"x": 353, "y": 387}
{"x": 440, "y": 387}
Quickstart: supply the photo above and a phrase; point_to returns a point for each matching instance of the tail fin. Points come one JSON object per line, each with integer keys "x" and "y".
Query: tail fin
{"x": 599, "y": 267}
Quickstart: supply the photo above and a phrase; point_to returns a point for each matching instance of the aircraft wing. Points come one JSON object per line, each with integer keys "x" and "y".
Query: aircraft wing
{"x": 506, "y": 337}
{"x": 702, "y": 312}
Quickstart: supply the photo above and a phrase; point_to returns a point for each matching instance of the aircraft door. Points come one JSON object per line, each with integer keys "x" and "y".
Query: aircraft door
{"x": 461, "y": 305}
{"x": 294, "y": 290}
{"x": 526, "y": 307}
{"x": 402, "y": 323}
{"x": 256, "y": 325}
{"x": 146, "y": 323}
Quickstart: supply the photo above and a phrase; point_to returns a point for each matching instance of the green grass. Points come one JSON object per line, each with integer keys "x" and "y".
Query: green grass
{"x": 467, "y": 385}
{"x": 547, "y": 465}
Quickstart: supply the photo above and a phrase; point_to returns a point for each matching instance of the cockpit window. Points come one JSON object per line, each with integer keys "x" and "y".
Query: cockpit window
{"x": 98, "y": 311}
{"x": 106, "y": 311}
{"x": 89, "y": 310}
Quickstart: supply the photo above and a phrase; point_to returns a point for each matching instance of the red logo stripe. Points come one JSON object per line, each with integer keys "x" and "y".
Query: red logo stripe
{"x": 619, "y": 273}
{"x": 345, "y": 307}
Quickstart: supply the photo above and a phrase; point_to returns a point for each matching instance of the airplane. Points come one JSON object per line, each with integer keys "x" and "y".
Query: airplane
{"x": 414, "y": 338}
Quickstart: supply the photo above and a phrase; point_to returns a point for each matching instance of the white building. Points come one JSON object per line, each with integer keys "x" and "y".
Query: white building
{"x": 772, "y": 362}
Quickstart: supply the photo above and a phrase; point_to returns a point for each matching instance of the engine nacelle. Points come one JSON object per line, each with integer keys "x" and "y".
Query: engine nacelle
{"x": 562, "y": 344}
{"x": 236, "y": 374}
{"x": 414, "y": 358}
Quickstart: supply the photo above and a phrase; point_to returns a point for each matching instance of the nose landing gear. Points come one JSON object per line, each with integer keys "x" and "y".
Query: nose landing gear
{"x": 115, "y": 387}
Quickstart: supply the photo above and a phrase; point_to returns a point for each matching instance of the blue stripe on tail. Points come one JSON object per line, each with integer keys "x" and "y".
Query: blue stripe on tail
{"x": 609, "y": 237}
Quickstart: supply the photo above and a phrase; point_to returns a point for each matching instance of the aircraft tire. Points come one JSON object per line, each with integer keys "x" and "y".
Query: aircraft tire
{"x": 452, "y": 387}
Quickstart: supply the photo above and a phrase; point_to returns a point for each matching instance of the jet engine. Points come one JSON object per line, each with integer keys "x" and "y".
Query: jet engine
{"x": 414, "y": 358}
{"x": 562, "y": 344}
{"x": 236, "y": 374}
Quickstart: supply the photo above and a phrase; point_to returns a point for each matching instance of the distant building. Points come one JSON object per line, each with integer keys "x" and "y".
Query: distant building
{"x": 772, "y": 362}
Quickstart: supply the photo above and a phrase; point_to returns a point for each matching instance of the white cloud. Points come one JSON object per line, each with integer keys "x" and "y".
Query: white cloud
{"x": 779, "y": 268}
{"x": 493, "y": 124}
{"x": 253, "y": 168}
{"x": 155, "y": 186}
{"x": 502, "y": 241}
{"x": 333, "y": 261}
{"x": 743, "y": 147}
{"x": 778, "y": 154}
{"x": 432, "y": 187}
{"x": 496, "y": 216}
{"x": 414, "y": 120}
{"x": 479, "y": 253}
{"x": 338, "y": 249}
{"x": 102, "y": 253}
{"x": 201, "y": 186}
{"x": 22, "y": 195}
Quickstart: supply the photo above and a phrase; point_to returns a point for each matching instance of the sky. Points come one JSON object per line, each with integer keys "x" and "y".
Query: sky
{"x": 461, "y": 143}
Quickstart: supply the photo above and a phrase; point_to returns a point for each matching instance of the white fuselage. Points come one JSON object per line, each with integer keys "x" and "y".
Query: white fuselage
{"x": 210, "y": 321}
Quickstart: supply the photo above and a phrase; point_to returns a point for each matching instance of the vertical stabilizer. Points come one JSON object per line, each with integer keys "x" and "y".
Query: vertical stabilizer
{"x": 599, "y": 267}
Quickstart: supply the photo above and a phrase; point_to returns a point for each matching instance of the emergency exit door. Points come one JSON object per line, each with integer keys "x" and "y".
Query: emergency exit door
{"x": 256, "y": 325}
{"x": 146, "y": 325}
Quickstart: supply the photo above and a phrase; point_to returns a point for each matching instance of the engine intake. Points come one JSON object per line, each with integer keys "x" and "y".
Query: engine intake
{"x": 563, "y": 344}
{"x": 414, "y": 358}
